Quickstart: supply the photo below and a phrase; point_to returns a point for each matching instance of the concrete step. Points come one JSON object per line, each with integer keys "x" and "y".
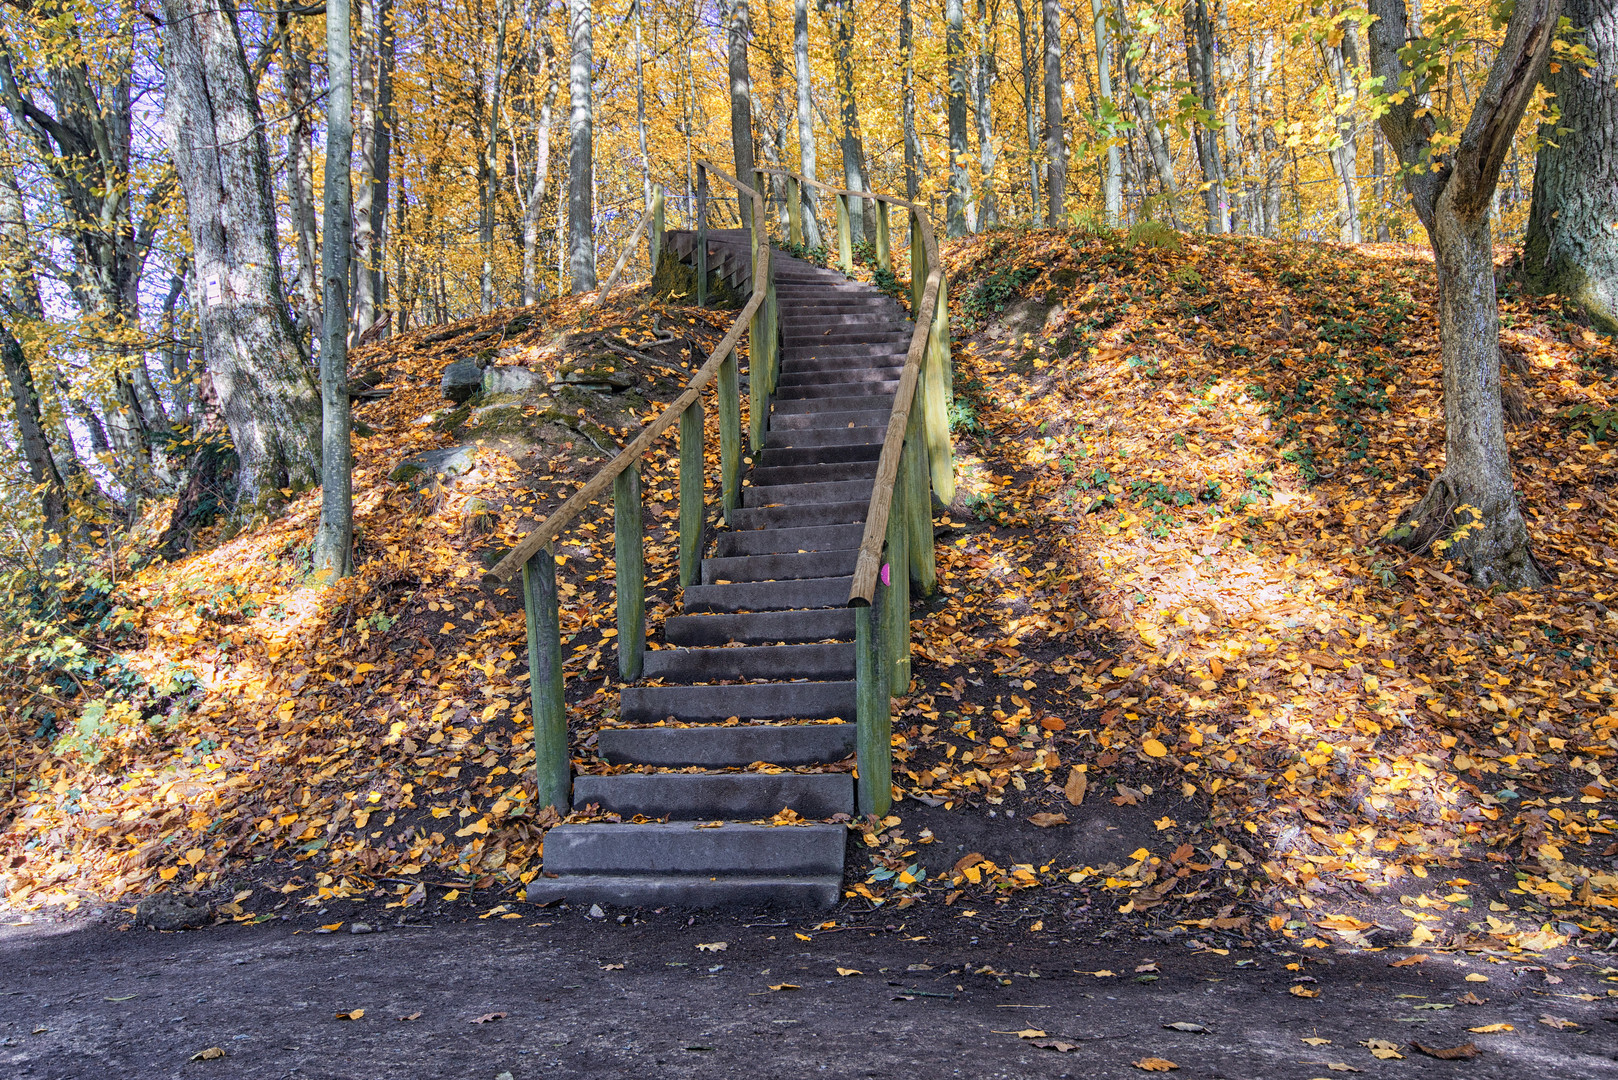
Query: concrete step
{"x": 814, "y": 472}
{"x": 746, "y": 701}
{"x": 831, "y": 491}
{"x": 780, "y": 566}
{"x": 875, "y": 399}
{"x": 770, "y": 595}
{"x": 715, "y": 796}
{"x": 791, "y": 456}
{"x": 759, "y": 627}
{"x": 727, "y": 747}
{"x": 820, "y": 893}
{"x": 752, "y": 662}
{"x": 872, "y": 418}
{"x": 731, "y": 544}
{"x": 796, "y": 517}
{"x": 681, "y": 848}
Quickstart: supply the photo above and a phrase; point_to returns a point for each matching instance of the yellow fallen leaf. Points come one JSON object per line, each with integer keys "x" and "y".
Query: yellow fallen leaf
{"x": 1155, "y": 1064}
{"x": 803, "y": 937}
{"x": 849, "y": 971}
{"x": 1491, "y": 1029}
{"x": 210, "y": 1054}
{"x": 168, "y": 873}
{"x": 1316, "y": 1040}
{"x": 1302, "y": 991}
{"x": 713, "y": 946}
{"x": 786, "y": 986}
{"x": 1383, "y": 1050}
{"x": 1475, "y": 977}
{"x": 1154, "y": 748}
{"x": 352, "y": 1014}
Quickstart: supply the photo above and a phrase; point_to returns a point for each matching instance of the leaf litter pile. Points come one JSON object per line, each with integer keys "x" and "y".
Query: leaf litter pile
{"x": 1163, "y": 586}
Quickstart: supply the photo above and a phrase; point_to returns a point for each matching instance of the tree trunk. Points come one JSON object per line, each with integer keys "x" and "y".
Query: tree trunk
{"x": 1199, "y": 65}
{"x": 491, "y": 162}
{"x": 1341, "y": 60}
{"x": 1146, "y": 117}
{"x": 907, "y": 103}
{"x": 36, "y": 447}
{"x": 253, "y": 354}
{"x": 806, "y": 120}
{"x": 957, "y": 202}
{"x": 738, "y": 30}
{"x": 301, "y": 188}
{"x": 988, "y": 212}
{"x": 640, "y": 113}
{"x": 367, "y": 55}
{"x": 581, "y": 251}
{"x": 1055, "y": 132}
{"x": 1029, "y": 46}
{"x": 334, "y": 537}
{"x": 1572, "y": 243}
{"x": 535, "y": 206}
{"x": 1112, "y": 183}
{"x": 853, "y": 149}
{"x": 1470, "y": 512}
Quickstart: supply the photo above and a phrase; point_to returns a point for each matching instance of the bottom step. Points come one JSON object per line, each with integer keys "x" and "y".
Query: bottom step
{"x": 633, "y": 890}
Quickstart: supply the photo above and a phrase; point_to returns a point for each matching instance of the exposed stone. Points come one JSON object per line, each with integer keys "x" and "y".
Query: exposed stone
{"x": 462, "y": 380}
{"x": 359, "y": 928}
{"x": 511, "y": 379}
{"x": 432, "y": 466}
{"x": 170, "y": 911}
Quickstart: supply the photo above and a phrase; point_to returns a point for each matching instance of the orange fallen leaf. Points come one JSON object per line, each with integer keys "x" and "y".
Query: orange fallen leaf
{"x": 352, "y": 1014}
{"x": 1046, "y": 820}
{"x": 1155, "y": 1064}
{"x": 1299, "y": 990}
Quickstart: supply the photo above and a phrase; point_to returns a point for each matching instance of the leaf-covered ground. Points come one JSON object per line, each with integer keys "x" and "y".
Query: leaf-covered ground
{"x": 1164, "y": 595}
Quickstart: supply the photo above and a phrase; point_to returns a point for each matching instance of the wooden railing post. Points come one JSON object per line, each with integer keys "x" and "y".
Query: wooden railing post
{"x": 552, "y": 771}
{"x": 758, "y": 360}
{"x": 702, "y": 236}
{"x": 845, "y": 244}
{"x": 728, "y": 388}
{"x": 629, "y": 551}
{"x": 873, "y": 746}
{"x": 655, "y": 241}
{"x": 919, "y": 501}
{"x": 795, "y": 211}
{"x": 691, "y": 492}
{"x": 918, "y": 265}
{"x": 884, "y": 253}
{"x": 935, "y": 411}
{"x": 896, "y": 614}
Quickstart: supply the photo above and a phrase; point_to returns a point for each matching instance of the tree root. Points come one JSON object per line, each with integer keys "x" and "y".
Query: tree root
{"x": 1443, "y": 524}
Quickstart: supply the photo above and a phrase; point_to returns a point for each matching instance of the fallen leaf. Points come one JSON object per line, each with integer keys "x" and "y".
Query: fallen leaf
{"x": 1299, "y": 990}
{"x": 803, "y": 937}
{"x": 612, "y": 967}
{"x": 1045, "y": 819}
{"x": 126, "y": 997}
{"x": 1470, "y": 998}
{"x": 1383, "y": 1050}
{"x": 1028, "y": 1033}
{"x": 1060, "y": 1046}
{"x": 1154, "y": 748}
{"x": 1150, "y": 965}
{"x": 786, "y": 986}
{"x": 1408, "y": 961}
{"x": 412, "y": 1016}
{"x": 1559, "y": 1023}
{"x": 487, "y": 1018}
{"x": 849, "y": 971}
{"x": 1475, "y": 977}
{"x": 210, "y": 1054}
{"x": 1339, "y": 1066}
{"x": 1451, "y": 1053}
{"x": 1155, "y": 1064}
{"x": 1182, "y": 1025}
{"x": 1491, "y": 1029}
{"x": 1316, "y": 1040}
{"x": 712, "y": 946}
{"x": 1077, "y": 784}
{"x": 352, "y": 1014}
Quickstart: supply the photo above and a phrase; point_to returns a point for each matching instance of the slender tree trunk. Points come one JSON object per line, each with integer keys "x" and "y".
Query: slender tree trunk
{"x": 806, "y": 120}
{"x": 983, "y": 94}
{"x": 1472, "y": 507}
{"x": 382, "y": 165}
{"x": 1341, "y": 60}
{"x": 253, "y": 354}
{"x": 958, "y": 202}
{"x": 491, "y": 162}
{"x": 367, "y": 51}
{"x": 334, "y": 538}
{"x": 581, "y": 252}
{"x": 1379, "y": 189}
{"x": 738, "y": 30}
{"x": 36, "y": 447}
{"x": 301, "y": 189}
{"x": 852, "y": 146}
{"x": 1146, "y": 121}
{"x": 1028, "y": 44}
{"x": 907, "y": 103}
{"x": 1055, "y": 128}
{"x": 1200, "y": 64}
{"x": 1112, "y": 184}
{"x": 1572, "y": 243}
{"x": 640, "y": 112}
{"x": 535, "y": 206}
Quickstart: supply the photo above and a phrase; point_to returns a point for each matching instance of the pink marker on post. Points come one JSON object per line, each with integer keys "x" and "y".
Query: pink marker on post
{"x": 885, "y": 573}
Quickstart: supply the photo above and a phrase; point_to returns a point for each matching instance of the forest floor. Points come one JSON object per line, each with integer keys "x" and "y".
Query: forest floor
{"x": 1173, "y": 685}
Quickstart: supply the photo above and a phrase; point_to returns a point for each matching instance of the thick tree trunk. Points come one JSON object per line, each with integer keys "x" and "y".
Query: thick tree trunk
{"x": 853, "y": 149}
{"x": 581, "y": 250}
{"x": 253, "y": 354}
{"x": 1055, "y": 128}
{"x": 334, "y": 537}
{"x": 806, "y": 119}
{"x": 738, "y": 30}
{"x": 36, "y": 447}
{"x": 907, "y": 103}
{"x": 957, "y": 202}
{"x": 1028, "y": 43}
{"x": 1572, "y": 243}
{"x": 1471, "y": 509}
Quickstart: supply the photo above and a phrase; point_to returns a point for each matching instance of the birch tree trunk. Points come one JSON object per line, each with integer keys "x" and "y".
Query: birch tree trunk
{"x": 983, "y": 100}
{"x": 1112, "y": 184}
{"x": 301, "y": 187}
{"x": 535, "y": 206}
{"x": 491, "y": 162}
{"x": 581, "y": 251}
{"x": 806, "y": 120}
{"x": 253, "y": 354}
{"x": 1055, "y": 129}
{"x": 957, "y": 201}
{"x": 1028, "y": 43}
{"x": 1146, "y": 120}
{"x": 1471, "y": 508}
{"x": 907, "y": 103}
{"x": 1340, "y": 62}
{"x": 334, "y": 537}
{"x": 367, "y": 41}
{"x": 1199, "y": 63}
{"x": 1572, "y": 244}
{"x": 738, "y": 29}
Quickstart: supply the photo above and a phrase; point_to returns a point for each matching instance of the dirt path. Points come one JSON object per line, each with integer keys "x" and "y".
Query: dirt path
{"x": 85, "y": 1000}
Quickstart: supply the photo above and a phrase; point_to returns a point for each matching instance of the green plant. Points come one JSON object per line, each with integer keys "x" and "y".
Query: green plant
{"x": 1595, "y": 422}
{"x": 1154, "y": 235}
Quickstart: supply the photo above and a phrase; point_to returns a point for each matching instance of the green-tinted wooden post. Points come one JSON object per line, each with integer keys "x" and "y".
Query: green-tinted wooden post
{"x": 730, "y": 434}
{"x": 845, "y": 245}
{"x": 935, "y": 385}
{"x": 758, "y": 370}
{"x": 884, "y": 254}
{"x": 629, "y": 551}
{"x": 896, "y": 615}
{"x": 552, "y": 771}
{"x": 918, "y": 503}
{"x": 918, "y": 265}
{"x": 873, "y": 736}
{"x": 773, "y": 336}
{"x": 702, "y": 236}
{"x": 655, "y": 241}
{"x": 795, "y": 211}
{"x": 691, "y": 492}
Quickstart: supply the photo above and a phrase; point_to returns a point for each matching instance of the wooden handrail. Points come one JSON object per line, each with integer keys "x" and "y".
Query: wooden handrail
{"x": 868, "y": 564}
{"x": 629, "y": 246}
{"x": 510, "y": 566}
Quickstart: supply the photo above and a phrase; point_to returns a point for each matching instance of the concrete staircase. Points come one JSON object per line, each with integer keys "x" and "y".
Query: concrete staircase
{"x": 765, "y": 637}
